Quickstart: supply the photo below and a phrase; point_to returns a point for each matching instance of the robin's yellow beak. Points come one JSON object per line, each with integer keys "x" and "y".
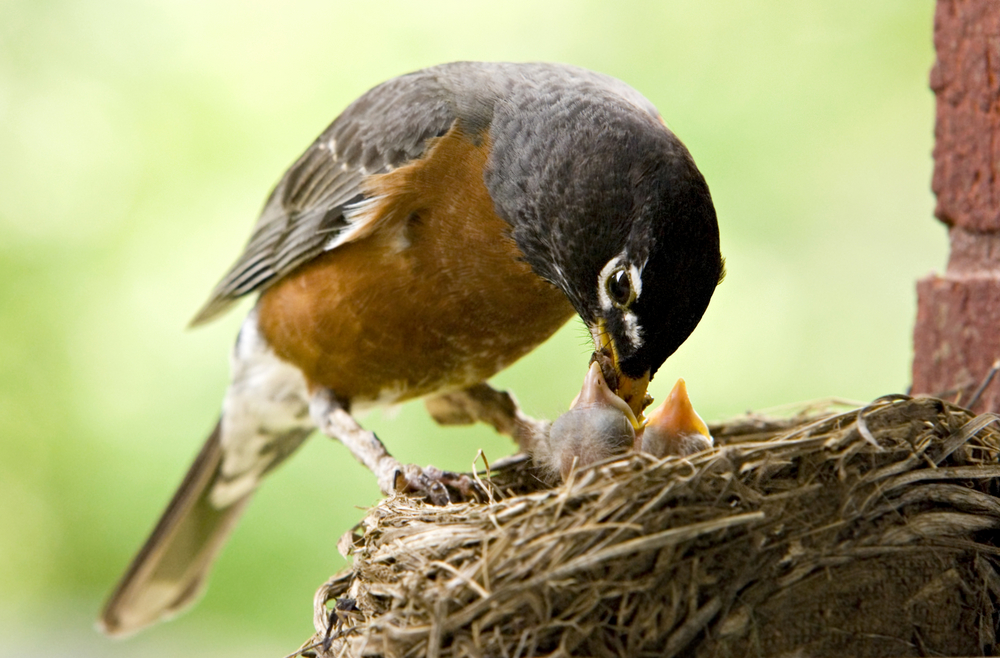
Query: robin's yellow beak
{"x": 631, "y": 390}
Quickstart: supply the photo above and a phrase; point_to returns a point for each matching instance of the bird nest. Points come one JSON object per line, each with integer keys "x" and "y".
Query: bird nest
{"x": 870, "y": 532}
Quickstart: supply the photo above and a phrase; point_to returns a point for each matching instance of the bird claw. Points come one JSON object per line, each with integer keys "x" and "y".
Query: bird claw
{"x": 434, "y": 485}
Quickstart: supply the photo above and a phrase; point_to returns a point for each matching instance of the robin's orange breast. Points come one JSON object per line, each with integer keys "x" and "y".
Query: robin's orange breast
{"x": 432, "y": 294}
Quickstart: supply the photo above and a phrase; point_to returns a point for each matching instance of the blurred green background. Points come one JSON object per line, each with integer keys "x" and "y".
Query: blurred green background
{"x": 139, "y": 139}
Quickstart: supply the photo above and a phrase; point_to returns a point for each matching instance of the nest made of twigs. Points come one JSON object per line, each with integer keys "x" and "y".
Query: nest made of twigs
{"x": 870, "y": 532}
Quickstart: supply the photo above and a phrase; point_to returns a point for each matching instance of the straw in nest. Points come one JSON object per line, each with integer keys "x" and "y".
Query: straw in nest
{"x": 871, "y": 532}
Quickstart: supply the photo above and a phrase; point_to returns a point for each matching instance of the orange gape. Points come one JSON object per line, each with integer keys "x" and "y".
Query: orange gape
{"x": 422, "y": 285}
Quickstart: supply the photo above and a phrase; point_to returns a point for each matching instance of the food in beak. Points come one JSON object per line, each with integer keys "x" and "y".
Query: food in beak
{"x": 632, "y": 391}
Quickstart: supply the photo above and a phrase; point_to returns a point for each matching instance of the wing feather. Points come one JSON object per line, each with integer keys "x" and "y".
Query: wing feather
{"x": 385, "y": 128}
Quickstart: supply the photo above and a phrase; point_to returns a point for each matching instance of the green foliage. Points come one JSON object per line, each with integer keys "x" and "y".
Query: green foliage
{"x": 138, "y": 140}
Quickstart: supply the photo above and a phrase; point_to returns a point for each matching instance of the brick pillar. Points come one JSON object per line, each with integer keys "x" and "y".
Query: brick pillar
{"x": 957, "y": 335}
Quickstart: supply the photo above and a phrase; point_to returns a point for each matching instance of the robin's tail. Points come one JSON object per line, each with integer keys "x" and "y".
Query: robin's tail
{"x": 170, "y": 570}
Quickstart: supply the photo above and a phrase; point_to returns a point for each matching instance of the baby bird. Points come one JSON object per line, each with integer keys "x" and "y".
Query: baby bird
{"x": 599, "y": 424}
{"x": 674, "y": 428}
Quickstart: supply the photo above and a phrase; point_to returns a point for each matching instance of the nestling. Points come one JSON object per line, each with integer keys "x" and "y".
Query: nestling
{"x": 598, "y": 425}
{"x": 674, "y": 428}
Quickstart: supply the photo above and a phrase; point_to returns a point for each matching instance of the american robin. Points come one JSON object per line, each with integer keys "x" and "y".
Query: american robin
{"x": 446, "y": 223}
{"x": 674, "y": 428}
{"x": 599, "y": 424}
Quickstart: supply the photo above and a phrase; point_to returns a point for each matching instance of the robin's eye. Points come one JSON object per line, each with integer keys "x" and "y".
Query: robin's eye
{"x": 620, "y": 288}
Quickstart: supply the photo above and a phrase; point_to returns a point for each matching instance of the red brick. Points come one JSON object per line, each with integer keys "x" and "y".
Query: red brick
{"x": 957, "y": 335}
{"x": 966, "y": 81}
{"x": 957, "y": 338}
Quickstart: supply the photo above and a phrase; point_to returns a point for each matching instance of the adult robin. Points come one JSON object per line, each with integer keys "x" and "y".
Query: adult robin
{"x": 446, "y": 223}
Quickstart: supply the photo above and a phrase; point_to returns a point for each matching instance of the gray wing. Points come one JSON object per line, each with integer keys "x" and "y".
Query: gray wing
{"x": 384, "y": 128}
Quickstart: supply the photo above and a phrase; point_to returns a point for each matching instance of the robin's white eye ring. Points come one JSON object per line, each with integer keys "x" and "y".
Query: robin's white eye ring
{"x": 620, "y": 288}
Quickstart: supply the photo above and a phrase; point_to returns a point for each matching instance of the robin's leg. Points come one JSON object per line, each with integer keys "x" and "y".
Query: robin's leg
{"x": 335, "y": 421}
{"x": 484, "y": 403}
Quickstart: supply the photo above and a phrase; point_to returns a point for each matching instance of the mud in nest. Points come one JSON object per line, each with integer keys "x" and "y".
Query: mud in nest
{"x": 870, "y": 532}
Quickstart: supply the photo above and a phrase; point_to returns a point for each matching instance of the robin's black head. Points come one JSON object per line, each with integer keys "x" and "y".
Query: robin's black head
{"x": 607, "y": 204}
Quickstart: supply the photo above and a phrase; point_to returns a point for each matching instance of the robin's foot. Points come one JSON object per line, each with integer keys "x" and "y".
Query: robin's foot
{"x": 437, "y": 486}
{"x": 485, "y": 404}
